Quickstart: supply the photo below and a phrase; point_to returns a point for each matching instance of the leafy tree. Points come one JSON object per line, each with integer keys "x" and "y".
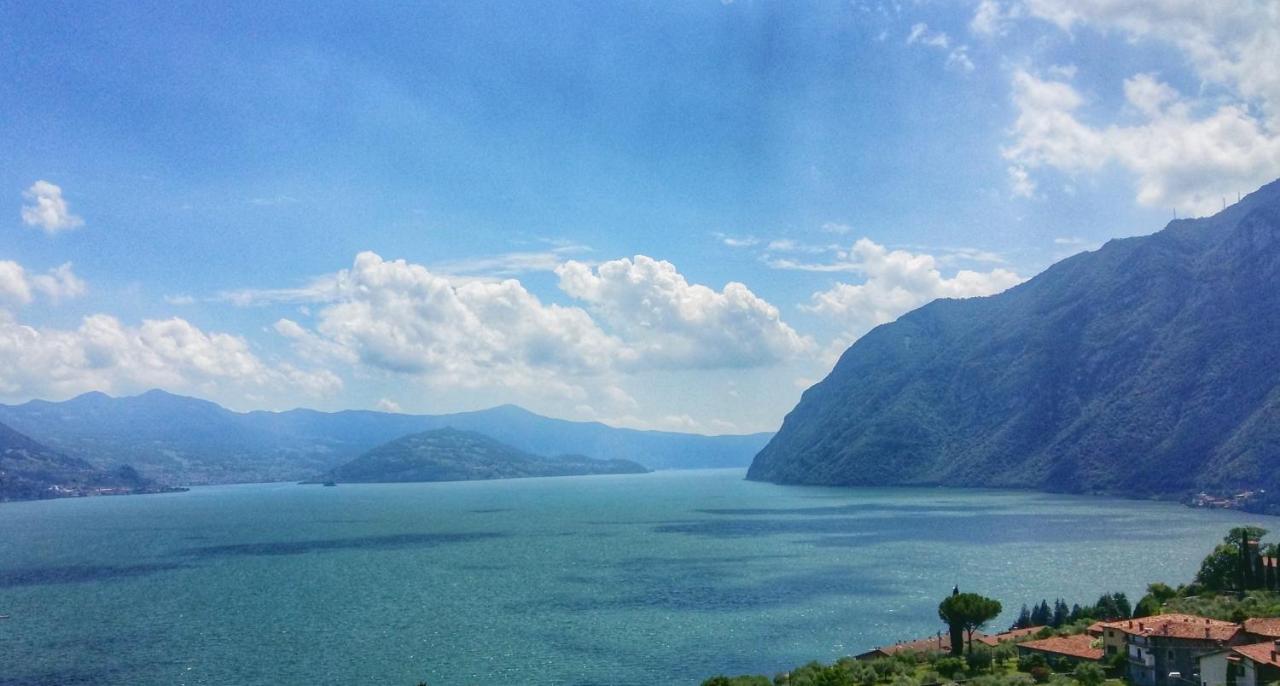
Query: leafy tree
{"x": 967, "y": 612}
{"x": 949, "y": 667}
{"x": 1089, "y": 674}
{"x": 1219, "y": 571}
{"x": 978, "y": 660}
{"x": 1147, "y": 607}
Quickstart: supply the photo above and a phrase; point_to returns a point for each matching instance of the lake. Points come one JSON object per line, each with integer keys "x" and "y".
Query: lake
{"x": 663, "y": 578}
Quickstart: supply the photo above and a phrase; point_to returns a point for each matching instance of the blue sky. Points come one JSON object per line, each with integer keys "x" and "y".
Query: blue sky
{"x": 667, "y": 215}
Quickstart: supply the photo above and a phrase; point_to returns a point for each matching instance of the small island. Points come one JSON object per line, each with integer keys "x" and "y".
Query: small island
{"x": 453, "y": 455}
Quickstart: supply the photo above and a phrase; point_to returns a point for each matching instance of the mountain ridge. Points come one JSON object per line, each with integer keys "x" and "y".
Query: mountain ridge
{"x": 180, "y": 439}
{"x": 1140, "y": 368}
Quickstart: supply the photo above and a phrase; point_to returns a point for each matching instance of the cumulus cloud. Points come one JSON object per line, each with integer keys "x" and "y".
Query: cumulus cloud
{"x": 1186, "y": 152}
{"x": 1230, "y": 44}
{"x": 392, "y": 317}
{"x": 898, "y": 281}
{"x": 388, "y": 405}
{"x": 669, "y": 322}
{"x": 47, "y": 209}
{"x": 1180, "y": 158}
{"x": 105, "y": 354}
{"x": 17, "y": 287}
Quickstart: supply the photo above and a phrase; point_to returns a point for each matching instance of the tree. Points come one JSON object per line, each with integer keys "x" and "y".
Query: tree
{"x": 1245, "y": 540}
{"x": 1024, "y": 619}
{"x": 1060, "y": 613}
{"x": 1041, "y": 615}
{"x": 1089, "y": 674}
{"x": 967, "y": 612}
{"x": 1219, "y": 570}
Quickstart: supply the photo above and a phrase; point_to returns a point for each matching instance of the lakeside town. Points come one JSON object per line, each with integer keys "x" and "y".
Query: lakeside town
{"x": 1223, "y": 629}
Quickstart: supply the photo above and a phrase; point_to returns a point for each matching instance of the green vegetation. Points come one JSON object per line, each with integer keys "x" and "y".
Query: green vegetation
{"x": 1158, "y": 389}
{"x": 452, "y": 455}
{"x": 1222, "y": 590}
{"x": 967, "y": 612}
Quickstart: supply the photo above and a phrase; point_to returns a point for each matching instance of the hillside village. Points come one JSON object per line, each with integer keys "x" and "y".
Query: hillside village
{"x": 1157, "y": 645}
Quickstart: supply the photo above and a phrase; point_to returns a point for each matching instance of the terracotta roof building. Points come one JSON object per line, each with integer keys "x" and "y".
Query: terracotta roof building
{"x": 1244, "y": 665}
{"x": 1263, "y": 629}
{"x": 1077, "y": 648}
{"x": 1166, "y": 649}
{"x": 993, "y": 640}
{"x": 940, "y": 643}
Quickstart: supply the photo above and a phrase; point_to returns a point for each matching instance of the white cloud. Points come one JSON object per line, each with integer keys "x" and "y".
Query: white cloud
{"x": 669, "y": 322}
{"x": 388, "y": 405}
{"x": 179, "y": 299}
{"x": 898, "y": 281}
{"x": 991, "y": 19}
{"x": 837, "y": 228}
{"x": 1232, "y": 44}
{"x": 1020, "y": 182}
{"x": 957, "y": 58}
{"x": 105, "y": 354}
{"x": 14, "y": 287}
{"x": 59, "y": 283}
{"x": 921, "y": 34}
{"x": 17, "y": 287}
{"x": 1180, "y": 159}
{"x": 737, "y": 241}
{"x": 47, "y": 209}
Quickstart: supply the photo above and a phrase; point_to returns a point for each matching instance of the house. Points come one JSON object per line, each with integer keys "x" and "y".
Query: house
{"x": 1114, "y": 639}
{"x": 940, "y": 643}
{"x": 1165, "y": 650}
{"x": 1263, "y": 629}
{"x": 993, "y": 640}
{"x": 1243, "y": 665}
{"x": 1074, "y": 649}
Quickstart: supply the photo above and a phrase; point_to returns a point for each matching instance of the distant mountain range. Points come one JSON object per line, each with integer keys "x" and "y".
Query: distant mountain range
{"x": 31, "y": 471}
{"x": 181, "y": 440}
{"x": 453, "y": 455}
{"x": 1150, "y": 366}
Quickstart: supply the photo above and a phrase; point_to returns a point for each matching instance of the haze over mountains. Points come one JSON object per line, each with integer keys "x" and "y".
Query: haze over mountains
{"x": 182, "y": 440}
{"x": 1148, "y": 367}
{"x": 29, "y": 471}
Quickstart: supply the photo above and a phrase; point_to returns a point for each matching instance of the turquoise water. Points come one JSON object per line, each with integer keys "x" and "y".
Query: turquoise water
{"x": 662, "y": 578}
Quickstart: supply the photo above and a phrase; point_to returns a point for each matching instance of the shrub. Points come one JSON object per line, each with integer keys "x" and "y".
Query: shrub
{"x": 978, "y": 660}
{"x": 1089, "y": 674}
{"x": 949, "y": 667}
{"x": 1040, "y": 673}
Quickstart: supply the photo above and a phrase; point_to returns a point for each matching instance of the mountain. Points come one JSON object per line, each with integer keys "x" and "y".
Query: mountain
{"x": 1148, "y": 367}
{"x": 453, "y": 455}
{"x": 186, "y": 440}
{"x": 30, "y": 471}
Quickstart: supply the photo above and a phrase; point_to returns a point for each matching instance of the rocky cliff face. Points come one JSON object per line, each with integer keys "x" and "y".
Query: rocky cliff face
{"x": 1150, "y": 366}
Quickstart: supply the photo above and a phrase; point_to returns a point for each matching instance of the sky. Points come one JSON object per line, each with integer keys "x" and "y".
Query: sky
{"x": 667, "y": 215}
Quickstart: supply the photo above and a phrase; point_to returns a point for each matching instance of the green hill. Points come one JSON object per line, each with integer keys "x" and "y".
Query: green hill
{"x": 452, "y": 455}
{"x": 31, "y": 471}
{"x": 1146, "y": 367}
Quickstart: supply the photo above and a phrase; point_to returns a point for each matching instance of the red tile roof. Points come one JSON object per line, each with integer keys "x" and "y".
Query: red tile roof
{"x": 1268, "y": 627}
{"x": 1011, "y": 635}
{"x": 1079, "y": 646}
{"x": 1176, "y": 626}
{"x": 932, "y": 644}
{"x": 1260, "y": 653}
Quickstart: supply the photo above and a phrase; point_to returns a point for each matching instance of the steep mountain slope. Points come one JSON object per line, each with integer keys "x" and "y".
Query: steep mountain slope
{"x": 186, "y": 440}
{"x": 30, "y": 471}
{"x": 453, "y": 455}
{"x": 1149, "y": 366}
